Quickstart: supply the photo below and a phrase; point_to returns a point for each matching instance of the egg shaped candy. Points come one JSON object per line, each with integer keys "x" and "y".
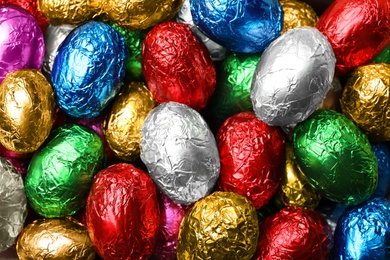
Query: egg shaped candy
{"x": 382, "y": 155}
{"x": 26, "y": 109}
{"x": 180, "y": 152}
{"x": 293, "y": 76}
{"x": 22, "y": 44}
{"x": 60, "y": 238}
{"x": 336, "y": 157}
{"x": 13, "y": 204}
{"x": 297, "y": 13}
{"x": 122, "y": 213}
{"x": 61, "y": 173}
{"x": 88, "y": 69}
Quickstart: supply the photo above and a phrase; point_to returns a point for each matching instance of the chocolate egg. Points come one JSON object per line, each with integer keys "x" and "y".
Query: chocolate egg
{"x": 382, "y": 155}
{"x": 88, "y": 69}
{"x": 296, "y": 14}
{"x": 61, "y": 238}
{"x": 293, "y": 76}
{"x": 180, "y": 152}
{"x": 26, "y": 110}
{"x": 61, "y": 173}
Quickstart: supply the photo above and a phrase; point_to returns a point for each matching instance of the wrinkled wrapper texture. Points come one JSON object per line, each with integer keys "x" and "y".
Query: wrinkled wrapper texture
{"x": 297, "y": 14}
{"x": 384, "y": 56}
{"x": 382, "y": 155}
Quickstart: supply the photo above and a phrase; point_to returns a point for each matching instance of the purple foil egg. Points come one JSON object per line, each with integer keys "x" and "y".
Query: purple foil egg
{"x": 21, "y": 43}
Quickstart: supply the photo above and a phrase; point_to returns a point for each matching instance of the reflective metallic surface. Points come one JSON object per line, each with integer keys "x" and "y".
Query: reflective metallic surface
{"x": 296, "y": 14}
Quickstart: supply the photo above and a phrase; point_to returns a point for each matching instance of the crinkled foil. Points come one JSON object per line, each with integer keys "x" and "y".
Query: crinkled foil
{"x": 13, "y": 203}
{"x": 122, "y": 213}
{"x": 21, "y": 43}
{"x": 26, "y": 110}
{"x": 122, "y": 126}
{"x": 296, "y": 14}
{"x": 333, "y": 97}
{"x": 336, "y": 157}
{"x": 180, "y": 152}
{"x": 223, "y": 225}
{"x": 382, "y": 155}
{"x": 362, "y": 232}
{"x": 177, "y": 67}
{"x": 357, "y": 30}
{"x": 241, "y": 26}
{"x": 384, "y": 56}
{"x": 88, "y": 69}
{"x": 54, "y": 36}
{"x": 252, "y": 157}
{"x": 365, "y": 100}
{"x": 60, "y": 238}
{"x": 61, "y": 173}
{"x": 293, "y": 76}
{"x": 295, "y": 233}
{"x": 217, "y": 52}
{"x": 138, "y": 15}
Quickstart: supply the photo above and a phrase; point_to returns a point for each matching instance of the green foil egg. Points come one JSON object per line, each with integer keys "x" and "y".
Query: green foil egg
{"x": 384, "y": 56}
{"x": 336, "y": 157}
{"x": 60, "y": 175}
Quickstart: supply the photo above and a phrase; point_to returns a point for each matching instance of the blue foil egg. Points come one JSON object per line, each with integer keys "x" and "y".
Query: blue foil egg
{"x": 363, "y": 232}
{"x": 383, "y": 158}
{"x": 88, "y": 69}
{"x": 242, "y": 26}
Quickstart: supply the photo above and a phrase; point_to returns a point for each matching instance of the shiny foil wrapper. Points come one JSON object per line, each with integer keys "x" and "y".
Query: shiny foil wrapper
{"x": 88, "y": 69}
{"x": 362, "y": 232}
{"x": 122, "y": 126}
{"x": 232, "y": 94}
{"x": 336, "y": 157}
{"x": 297, "y": 14}
{"x": 357, "y": 31}
{"x": 365, "y": 100}
{"x": 54, "y": 36}
{"x": 60, "y": 175}
{"x": 245, "y": 26}
{"x": 382, "y": 155}
{"x": 20, "y": 164}
{"x": 61, "y": 238}
{"x": 293, "y": 76}
{"x": 217, "y": 51}
{"x": 384, "y": 56}
{"x": 26, "y": 110}
{"x": 177, "y": 67}
{"x": 180, "y": 152}
{"x": 171, "y": 216}
{"x": 294, "y": 189}
{"x": 252, "y": 157}
{"x": 295, "y": 233}
{"x": 122, "y": 213}
{"x": 13, "y": 204}
{"x": 22, "y": 43}
{"x": 333, "y": 97}
{"x": 223, "y": 225}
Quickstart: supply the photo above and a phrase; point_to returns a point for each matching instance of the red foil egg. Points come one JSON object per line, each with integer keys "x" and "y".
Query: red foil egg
{"x": 122, "y": 213}
{"x": 177, "y": 67}
{"x": 357, "y": 30}
{"x": 252, "y": 157}
{"x": 294, "y": 233}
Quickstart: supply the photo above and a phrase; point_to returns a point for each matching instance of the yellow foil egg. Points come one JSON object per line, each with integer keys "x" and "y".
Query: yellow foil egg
{"x": 26, "y": 110}
{"x": 297, "y": 14}
{"x": 295, "y": 190}
{"x": 122, "y": 127}
{"x": 366, "y": 98}
{"x": 49, "y": 239}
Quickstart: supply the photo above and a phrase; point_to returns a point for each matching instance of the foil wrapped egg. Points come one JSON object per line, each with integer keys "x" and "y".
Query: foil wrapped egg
{"x": 336, "y": 157}
{"x": 88, "y": 69}
{"x": 293, "y": 76}
{"x": 61, "y": 173}
{"x": 122, "y": 213}
{"x": 382, "y": 155}
{"x": 296, "y": 14}
{"x": 180, "y": 152}
{"x": 22, "y": 44}
{"x": 60, "y": 238}
{"x": 384, "y": 56}
{"x": 223, "y": 225}
{"x": 26, "y": 110}
{"x": 13, "y": 203}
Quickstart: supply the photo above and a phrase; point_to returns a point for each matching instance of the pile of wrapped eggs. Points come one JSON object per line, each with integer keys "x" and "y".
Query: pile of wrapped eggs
{"x": 194, "y": 129}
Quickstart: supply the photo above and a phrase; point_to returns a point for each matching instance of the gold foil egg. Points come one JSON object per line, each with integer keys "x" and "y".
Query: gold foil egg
{"x": 223, "y": 225}
{"x": 122, "y": 127}
{"x": 297, "y": 14}
{"x": 365, "y": 100}
{"x": 49, "y": 239}
{"x": 295, "y": 190}
{"x": 26, "y": 110}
